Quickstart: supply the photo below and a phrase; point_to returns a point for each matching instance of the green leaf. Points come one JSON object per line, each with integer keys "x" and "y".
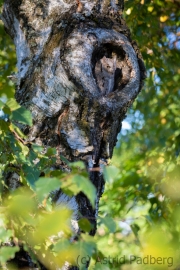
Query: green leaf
{"x": 7, "y": 110}
{"x": 61, "y": 245}
{"x": 84, "y": 184}
{"x": 101, "y": 266}
{"x": 22, "y": 115}
{"x": 53, "y": 223}
{"x": 65, "y": 160}
{"x": 17, "y": 130}
{"x": 85, "y": 225}
{"x": 5, "y": 235}
{"x": 7, "y": 253}
{"x": 31, "y": 174}
{"x": 37, "y": 148}
{"x": 109, "y": 223}
{"x": 51, "y": 152}
{"x": 86, "y": 248}
{"x": 110, "y": 173}
{"x": 149, "y": 219}
{"x": 66, "y": 252}
{"x": 88, "y": 245}
{"x": 77, "y": 164}
{"x": 12, "y": 104}
{"x": 135, "y": 228}
{"x": 4, "y": 126}
{"x": 45, "y": 185}
{"x": 21, "y": 204}
{"x": 1, "y": 104}
{"x": 171, "y": 167}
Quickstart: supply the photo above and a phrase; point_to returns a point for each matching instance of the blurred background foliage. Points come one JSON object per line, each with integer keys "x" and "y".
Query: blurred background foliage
{"x": 143, "y": 198}
{"x": 140, "y": 208}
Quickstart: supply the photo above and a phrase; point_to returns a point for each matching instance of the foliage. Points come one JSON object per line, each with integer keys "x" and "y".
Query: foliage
{"x": 139, "y": 211}
{"x": 143, "y": 197}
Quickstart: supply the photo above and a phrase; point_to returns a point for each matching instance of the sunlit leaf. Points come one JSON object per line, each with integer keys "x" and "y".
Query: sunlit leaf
{"x": 45, "y": 185}
{"x": 22, "y": 204}
{"x": 7, "y": 253}
{"x": 109, "y": 223}
{"x": 83, "y": 184}
{"x": 110, "y": 173}
{"x": 164, "y": 18}
{"x": 5, "y": 235}
{"x": 12, "y": 104}
{"x": 22, "y": 115}
{"x": 52, "y": 224}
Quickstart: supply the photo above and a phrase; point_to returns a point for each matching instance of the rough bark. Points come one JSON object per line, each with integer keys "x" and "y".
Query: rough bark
{"x": 78, "y": 72}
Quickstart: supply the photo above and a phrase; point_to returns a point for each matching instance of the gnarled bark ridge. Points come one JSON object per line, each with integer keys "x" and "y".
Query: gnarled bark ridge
{"x": 78, "y": 72}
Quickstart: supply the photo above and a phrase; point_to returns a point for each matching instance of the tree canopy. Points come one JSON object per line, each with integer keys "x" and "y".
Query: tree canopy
{"x": 140, "y": 208}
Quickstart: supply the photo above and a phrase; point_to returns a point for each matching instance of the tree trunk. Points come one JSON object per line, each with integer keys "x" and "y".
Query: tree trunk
{"x": 78, "y": 72}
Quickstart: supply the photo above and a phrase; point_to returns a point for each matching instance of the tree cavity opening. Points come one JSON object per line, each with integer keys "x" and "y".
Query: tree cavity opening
{"x": 110, "y": 68}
